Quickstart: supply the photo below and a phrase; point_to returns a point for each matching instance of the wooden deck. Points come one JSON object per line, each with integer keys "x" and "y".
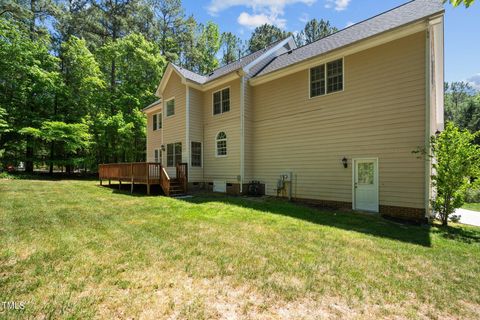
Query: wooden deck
{"x": 147, "y": 173}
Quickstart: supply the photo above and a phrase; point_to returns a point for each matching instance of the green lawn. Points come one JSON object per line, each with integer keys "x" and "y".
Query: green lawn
{"x": 472, "y": 206}
{"x": 72, "y": 249}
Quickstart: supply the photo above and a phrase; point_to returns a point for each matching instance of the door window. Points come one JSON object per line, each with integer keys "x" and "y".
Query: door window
{"x": 366, "y": 173}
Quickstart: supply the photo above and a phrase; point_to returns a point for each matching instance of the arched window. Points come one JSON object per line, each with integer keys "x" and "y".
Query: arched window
{"x": 221, "y": 144}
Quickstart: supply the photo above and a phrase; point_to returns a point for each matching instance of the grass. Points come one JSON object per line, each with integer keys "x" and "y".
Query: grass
{"x": 72, "y": 249}
{"x": 472, "y": 206}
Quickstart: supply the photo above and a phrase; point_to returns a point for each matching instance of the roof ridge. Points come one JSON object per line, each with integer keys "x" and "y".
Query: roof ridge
{"x": 344, "y": 29}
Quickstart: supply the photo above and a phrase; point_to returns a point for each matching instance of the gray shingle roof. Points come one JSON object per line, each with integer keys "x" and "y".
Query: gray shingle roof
{"x": 152, "y": 105}
{"x": 402, "y": 15}
{"x": 224, "y": 70}
{"x": 190, "y": 74}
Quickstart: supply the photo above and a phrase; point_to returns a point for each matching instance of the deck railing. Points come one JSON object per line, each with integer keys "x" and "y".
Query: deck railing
{"x": 133, "y": 172}
{"x": 182, "y": 175}
{"x": 165, "y": 181}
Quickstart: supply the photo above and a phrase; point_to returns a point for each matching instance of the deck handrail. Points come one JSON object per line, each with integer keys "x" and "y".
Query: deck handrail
{"x": 165, "y": 181}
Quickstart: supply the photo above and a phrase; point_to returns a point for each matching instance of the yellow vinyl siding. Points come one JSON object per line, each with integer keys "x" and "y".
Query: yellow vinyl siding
{"x": 380, "y": 113}
{"x": 248, "y": 135}
{"x": 174, "y": 126}
{"x": 222, "y": 168}
{"x": 195, "y": 174}
{"x": 154, "y": 138}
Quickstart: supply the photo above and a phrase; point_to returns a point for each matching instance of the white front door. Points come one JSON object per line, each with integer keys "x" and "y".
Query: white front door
{"x": 365, "y": 185}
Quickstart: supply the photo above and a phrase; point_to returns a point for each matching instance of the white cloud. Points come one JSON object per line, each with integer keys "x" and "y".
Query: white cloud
{"x": 254, "y": 20}
{"x": 304, "y": 18}
{"x": 266, "y": 11}
{"x": 338, "y": 5}
{"x": 274, "y": 6}
{"x": 475, "y": 81}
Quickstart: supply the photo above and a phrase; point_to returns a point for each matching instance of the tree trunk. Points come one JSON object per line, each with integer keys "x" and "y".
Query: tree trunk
{"x": 29, "y": 156}
{"x": 52, "y": 147}
{"x": 29, "y": 140}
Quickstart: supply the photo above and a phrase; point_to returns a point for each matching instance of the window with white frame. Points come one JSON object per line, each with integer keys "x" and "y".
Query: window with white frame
{"x": 221, "y": 144}
{"x": 170, "y": 106}
{"x": 157, "y": 121}
{"x": 221, "y": 101}
{"x": 196, "y": 154}
{"x": 157, "y": 156}
{"x": 174, "y": 154}
{"x": 326, "y": 78}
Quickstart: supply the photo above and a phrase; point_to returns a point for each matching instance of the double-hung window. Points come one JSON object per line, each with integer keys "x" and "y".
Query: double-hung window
{"x": 174, "y": 154}
{"x": 157, "y": 121}
{"x": 170, "y": 107}
{"x": 221, "y": 101}
{"x": 221, "y": 140}
{"x": 196, "y": 154}
{"x": 326, "y": 78}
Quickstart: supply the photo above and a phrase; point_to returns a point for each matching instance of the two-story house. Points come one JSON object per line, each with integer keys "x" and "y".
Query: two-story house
{"x": 334, "y": 121}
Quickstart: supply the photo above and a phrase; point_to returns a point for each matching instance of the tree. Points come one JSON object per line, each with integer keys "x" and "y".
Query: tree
{"x": 82, "y": 80}
{"x": 455, "y": 160}
{"x": 264, "y": 35}
{"x": 456, "y": 3}
{"x": 70, "y": 140}
{"x": 29, "y": 83}
{"x": 4, "y": 127}
{"x": 169, "y": 16}
{"x": 315, "y": 30}
{"x": 140, "y": 67}
{"x": 231, "y": 47}
{"x": 208, "y": 45}
{"x": 462, "y": 105}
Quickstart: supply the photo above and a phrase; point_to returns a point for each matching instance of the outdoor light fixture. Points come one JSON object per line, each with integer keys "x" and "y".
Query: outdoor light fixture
{"x": 345, "y": 162}
{"x": 163, "y": 147}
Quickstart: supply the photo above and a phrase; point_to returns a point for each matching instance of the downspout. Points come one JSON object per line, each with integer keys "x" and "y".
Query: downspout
{"x": 428, "y": 88}
{"x": 187, "y": 127}
{"x": 242, "y": 131}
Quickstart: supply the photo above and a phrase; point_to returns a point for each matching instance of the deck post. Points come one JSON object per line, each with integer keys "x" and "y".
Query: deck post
{"x": 109, "y": 182}
{"x": 148, "y": 178}
{"x": 131, "y": 177}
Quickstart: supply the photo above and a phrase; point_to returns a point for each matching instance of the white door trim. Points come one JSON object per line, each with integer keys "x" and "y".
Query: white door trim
{"x": 354, "y": 166}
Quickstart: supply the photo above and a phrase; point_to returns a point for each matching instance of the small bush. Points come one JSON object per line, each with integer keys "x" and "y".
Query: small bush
{"x": 6, "y": 175}
{"x": 472, "y": 196}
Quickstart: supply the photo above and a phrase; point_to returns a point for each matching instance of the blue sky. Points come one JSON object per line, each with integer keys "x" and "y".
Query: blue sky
{"x": 462, "y": 26}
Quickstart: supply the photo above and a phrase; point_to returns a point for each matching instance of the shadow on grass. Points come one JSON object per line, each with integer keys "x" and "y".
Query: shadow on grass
{"x": 56, "y": 176}
{"x": 139, "y": 190}
{"x": 370, "y": 224}
{"x": 457, "y": 233}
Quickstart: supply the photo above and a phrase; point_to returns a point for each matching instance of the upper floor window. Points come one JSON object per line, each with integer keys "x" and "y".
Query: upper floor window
{"x": 221, "y": 144}
{"x": 221, "y": 101}
{"x": 326, "y": 78}
{"x": 157, "y": 121}
{"x": 170, "y": 107}
{"x": 174, "y": 154}
{"x": 196, "y": 154}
